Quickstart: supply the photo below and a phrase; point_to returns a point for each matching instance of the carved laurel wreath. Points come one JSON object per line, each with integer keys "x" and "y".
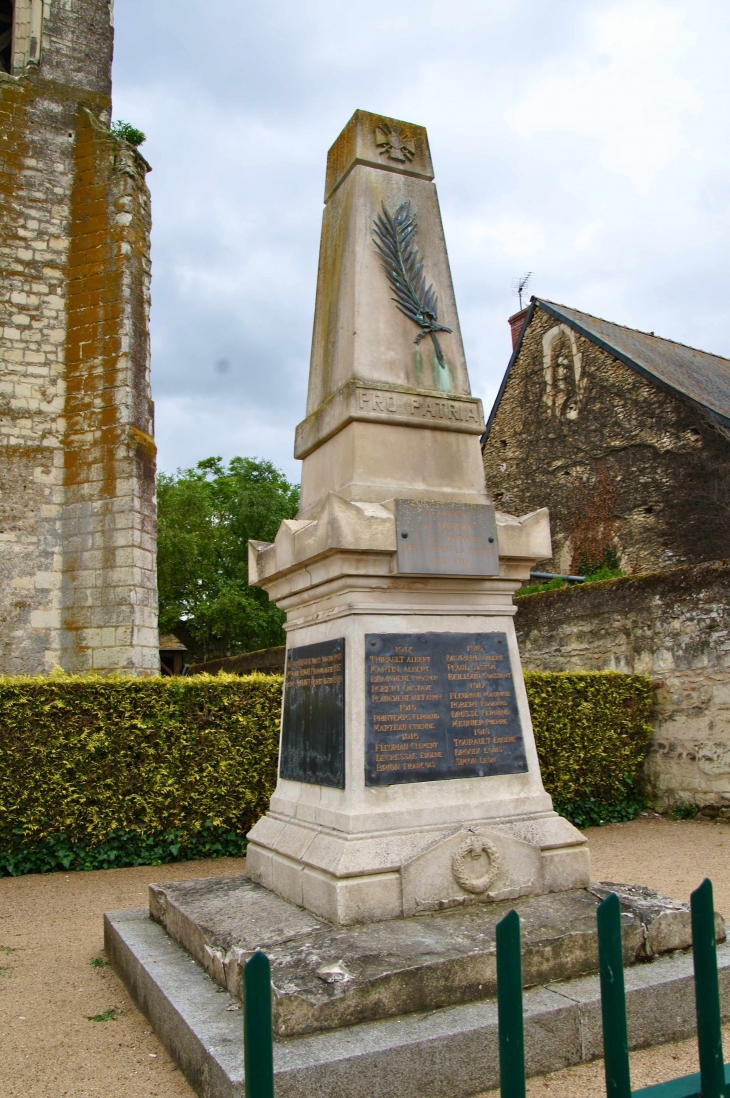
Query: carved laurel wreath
{"x": 468, "y": 851}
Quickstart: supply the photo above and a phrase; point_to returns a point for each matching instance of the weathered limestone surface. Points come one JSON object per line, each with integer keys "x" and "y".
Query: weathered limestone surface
{"x": 390, "y": 417}
{"x": 324, "y": 977}
{"x": 672, "y": 625}
{"x": 367, "y": 374}
{"x": 77, "y": 457}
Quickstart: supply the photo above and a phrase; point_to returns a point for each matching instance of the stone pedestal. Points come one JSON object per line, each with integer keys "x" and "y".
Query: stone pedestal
{"x": 324, "y": 978}
{"x": 368, "y": 852}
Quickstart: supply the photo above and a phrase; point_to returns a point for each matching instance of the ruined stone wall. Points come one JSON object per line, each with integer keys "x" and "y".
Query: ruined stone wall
{"x": 77, "y": 515}
{"x": 673, "y": 626}
{"x": 569, "y": 411}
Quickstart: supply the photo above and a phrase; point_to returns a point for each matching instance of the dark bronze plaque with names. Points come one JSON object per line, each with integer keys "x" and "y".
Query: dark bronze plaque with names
{"x": 446, "y": 539}
{"x": 313, "y": 723}
{"x": 440, "y": 705}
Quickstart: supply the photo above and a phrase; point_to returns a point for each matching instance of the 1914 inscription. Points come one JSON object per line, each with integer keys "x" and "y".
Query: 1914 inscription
{"x": 313, "y": 722}
{"x": 438, "y": 706}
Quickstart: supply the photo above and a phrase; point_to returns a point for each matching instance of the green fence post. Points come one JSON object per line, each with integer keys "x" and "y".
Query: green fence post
{"x": 509, "y": 1008}
{"x": 613, "y": 999}
{"x": 258, "y": 1044}
{"x": 707, "y": 993}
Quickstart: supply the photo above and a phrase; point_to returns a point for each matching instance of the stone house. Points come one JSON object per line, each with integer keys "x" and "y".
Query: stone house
{"x": 77, "y": 456}
{"x": 623, "y": 435}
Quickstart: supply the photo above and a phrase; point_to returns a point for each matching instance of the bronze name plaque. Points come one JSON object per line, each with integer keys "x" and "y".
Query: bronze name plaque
{"x": 446, "y": 539}
{"x": 440, "y": 705}
{"x": 313, "y": 720}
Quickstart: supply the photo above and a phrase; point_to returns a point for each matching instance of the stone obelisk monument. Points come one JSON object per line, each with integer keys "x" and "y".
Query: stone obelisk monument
{"x": 409, "y": 793}
{"x": 408, "y": 776}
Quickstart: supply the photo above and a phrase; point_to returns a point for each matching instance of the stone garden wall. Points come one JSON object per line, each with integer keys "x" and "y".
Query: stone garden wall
{"x": 673, "y": 626}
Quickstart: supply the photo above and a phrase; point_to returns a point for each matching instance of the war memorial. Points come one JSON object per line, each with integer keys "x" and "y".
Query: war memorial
{"x": 409, "y": 814}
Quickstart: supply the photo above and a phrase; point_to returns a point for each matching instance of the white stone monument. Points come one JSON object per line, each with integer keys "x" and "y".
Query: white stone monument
{"x": 409, "y": 780}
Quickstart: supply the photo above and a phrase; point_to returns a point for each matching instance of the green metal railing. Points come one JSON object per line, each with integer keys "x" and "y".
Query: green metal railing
{"x": 258, "y": 1041}
{"x": 712, "y": 1080}
{"x": 509, "y": 1008}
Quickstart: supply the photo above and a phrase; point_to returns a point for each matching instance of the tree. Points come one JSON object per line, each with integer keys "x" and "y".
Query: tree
{"x": 206, "y": 516}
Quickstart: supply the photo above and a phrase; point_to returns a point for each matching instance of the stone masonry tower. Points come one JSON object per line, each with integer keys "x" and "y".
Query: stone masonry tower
{"x": 77, "y": 457}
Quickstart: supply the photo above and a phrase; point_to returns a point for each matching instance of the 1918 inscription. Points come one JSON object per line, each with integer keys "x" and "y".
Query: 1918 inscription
{"x": 313, "y": 723}
{"x": 440, "y": 705}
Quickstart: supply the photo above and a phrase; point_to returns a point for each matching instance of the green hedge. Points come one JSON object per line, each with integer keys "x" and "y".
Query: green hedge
{"x": 119, "y": 771}
{"x": 99, "y": 772}
{"x": 592, "y": 733}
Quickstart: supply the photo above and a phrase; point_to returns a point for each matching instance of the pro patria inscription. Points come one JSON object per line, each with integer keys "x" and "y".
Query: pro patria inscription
{"x": 440, "y": 705}
{"x": 394, "y": 405}
{"x": 429, "y": 409}
{"x": 313, "y": 721}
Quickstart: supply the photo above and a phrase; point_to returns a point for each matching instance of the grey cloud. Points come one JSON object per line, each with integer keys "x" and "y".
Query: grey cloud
{"x": 585, "y": 142}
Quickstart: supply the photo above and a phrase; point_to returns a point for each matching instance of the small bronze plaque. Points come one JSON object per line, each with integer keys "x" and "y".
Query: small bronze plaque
{"x": 313, "y": 724}
{"x": 440, "y": 705}
{"x": 446, "y": 539}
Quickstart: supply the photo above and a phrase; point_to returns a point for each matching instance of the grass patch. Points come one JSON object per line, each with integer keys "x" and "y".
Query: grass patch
{"x": 604, "y": 573}
{"x": 109, "y": 1015}
{"x": 544, "y": 585}
{"x": 685, "y": 811}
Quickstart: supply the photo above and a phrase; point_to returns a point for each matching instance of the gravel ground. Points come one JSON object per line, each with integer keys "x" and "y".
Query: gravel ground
{"x": 49, "y": 988}
{"x": 51, "y": 933}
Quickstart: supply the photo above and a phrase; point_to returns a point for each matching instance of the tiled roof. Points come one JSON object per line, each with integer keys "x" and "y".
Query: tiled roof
{"x": 702, "y": 377}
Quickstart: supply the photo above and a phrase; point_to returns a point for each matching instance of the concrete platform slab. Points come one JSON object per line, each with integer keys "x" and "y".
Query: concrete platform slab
{"x": 446, "y": 1053}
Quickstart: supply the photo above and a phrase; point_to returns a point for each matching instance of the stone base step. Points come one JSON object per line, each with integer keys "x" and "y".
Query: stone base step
{"x": 446, "y": 1053}
{"x": 325, "y": 977}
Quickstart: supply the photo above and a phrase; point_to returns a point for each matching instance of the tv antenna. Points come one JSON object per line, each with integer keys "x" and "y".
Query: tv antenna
{"x": 519, "y": 285}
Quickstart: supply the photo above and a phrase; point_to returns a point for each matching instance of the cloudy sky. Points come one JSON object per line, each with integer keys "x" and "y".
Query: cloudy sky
{"x": 584, "y": 140}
